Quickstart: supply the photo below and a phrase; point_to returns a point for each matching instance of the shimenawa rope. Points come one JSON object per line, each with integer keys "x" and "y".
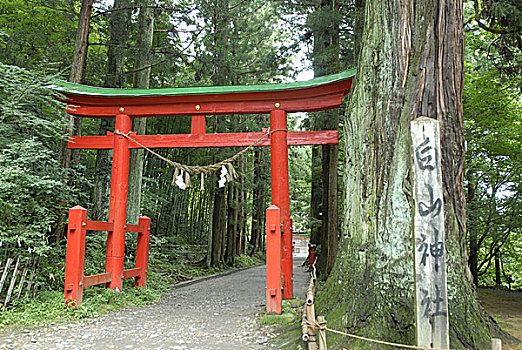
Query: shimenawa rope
{"x": 199, "y": 169}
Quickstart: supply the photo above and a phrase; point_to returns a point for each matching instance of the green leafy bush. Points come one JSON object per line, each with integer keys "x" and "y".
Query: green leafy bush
{"x": 32, "y": 189}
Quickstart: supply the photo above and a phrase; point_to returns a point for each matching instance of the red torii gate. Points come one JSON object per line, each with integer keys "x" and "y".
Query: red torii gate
{"x": 124, "y": 104}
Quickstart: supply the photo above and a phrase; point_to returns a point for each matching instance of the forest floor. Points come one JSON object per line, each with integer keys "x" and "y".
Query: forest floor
{"x": 215, "y": 313}
{"x": 506, "y": 309}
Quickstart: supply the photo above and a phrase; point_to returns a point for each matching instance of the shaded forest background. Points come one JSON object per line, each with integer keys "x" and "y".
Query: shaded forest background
{"x": 145, "y": 43}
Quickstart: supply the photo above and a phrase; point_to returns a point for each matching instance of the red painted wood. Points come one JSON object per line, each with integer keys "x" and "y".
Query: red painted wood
{"x": 198, "y": 125}
{"x": 183, "y": 107}
{"x": 132, "y": 228}
{"x": 132, "y": 272}
{"x": 307, "y": 99}
{"x": 142, "y": 251}
{"x": 273, "y": 260}
{"x": 295, "y": 138}
{"x": 281, "y": 192}
{"x": 96, "y": 279}
{"x": 75, "y": 256}
{"x": 118, "y": 202}
{"x": 99, "y": 226}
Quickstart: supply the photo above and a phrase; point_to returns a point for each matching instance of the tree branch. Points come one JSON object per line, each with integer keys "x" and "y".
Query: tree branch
{"x": 485, "y": 27}
{"x": 145, "y": 67}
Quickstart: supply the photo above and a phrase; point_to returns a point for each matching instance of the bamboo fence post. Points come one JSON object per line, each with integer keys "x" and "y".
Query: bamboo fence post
{"x": 304, "y": 326}
{"x": 322, "y": 333}
{"x": 310, "y": 317}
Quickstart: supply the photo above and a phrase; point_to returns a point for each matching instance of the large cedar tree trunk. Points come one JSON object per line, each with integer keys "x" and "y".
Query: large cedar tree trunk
{"x": 410, "y": 65}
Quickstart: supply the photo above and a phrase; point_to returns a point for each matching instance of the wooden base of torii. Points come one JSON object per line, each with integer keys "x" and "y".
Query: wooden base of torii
{"x": 275, "y": 99}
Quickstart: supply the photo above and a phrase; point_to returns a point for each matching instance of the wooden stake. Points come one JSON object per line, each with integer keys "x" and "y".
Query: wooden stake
{"x": 33, "y": 274}
{"x": 22, "y": 280}
{"x": 496, "y": 344}
{"x": 4, "y": 275}
{"x": 321, "y": 338}
{"x": 13, "y": 282}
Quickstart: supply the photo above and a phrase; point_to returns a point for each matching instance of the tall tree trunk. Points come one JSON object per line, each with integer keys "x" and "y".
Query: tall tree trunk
{"x": 231, "y": 225}
{"x": 220, "y": 24}
{"x": 473, "y": 256}
{"x": 316, "y": 196}
{"x": 472, "y": 233}
{"x": 76, "y": 76}
{"x": 237, "y": 235}
{"x": 326, "y": 61}
{"x": 141, "y": 80}
{"x": 118, "y": 31}
{"x": 240, "y": 247}
{"x": 410, "y": 65}
{"x": 68, "y": 157}
{"x": 258, "y": 201}
{"x": 498, "y": 276}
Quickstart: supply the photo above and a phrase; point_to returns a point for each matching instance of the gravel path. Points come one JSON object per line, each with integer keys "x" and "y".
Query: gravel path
{"x": 218, "y": 313}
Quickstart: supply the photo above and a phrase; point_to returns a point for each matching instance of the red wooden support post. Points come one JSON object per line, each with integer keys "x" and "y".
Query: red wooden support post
{"x": 75, "y": 256}
{"x": 273, "y": 260}
{"x": 280, "y": 191}
{"x": 198, "y": 124}
{"x": 118, "y": 203}
{"x": 142, "y": 251}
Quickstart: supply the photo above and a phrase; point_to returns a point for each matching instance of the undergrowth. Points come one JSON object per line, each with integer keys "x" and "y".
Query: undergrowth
{"x": 289, "y": 315}
{"x": 49, "y": 305}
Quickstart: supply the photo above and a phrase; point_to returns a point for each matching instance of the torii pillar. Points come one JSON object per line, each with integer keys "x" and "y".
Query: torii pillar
{"x": 118, "y": 203}
{"x": 281, "y": 192}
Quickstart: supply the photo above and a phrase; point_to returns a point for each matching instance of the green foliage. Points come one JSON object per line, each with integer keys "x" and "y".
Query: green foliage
{"x": 31, "y": 191}
{"x": 493, "y": 127}
{"x": 29, "y": 37}
{"x": 49, "y": 306}
{"x": 499, "y": 22}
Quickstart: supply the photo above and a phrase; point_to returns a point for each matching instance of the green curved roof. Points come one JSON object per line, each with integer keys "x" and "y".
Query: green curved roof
{"x": 77, "y": 89}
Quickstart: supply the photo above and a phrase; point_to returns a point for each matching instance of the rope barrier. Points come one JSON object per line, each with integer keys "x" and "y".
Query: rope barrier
{"x": 378, "y": 341}
{"x": 199, "y": 169}
{"x": 321, "y": 325}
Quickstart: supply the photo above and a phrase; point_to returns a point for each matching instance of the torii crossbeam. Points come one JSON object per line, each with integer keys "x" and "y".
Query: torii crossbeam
{"x": 124, "y": 104}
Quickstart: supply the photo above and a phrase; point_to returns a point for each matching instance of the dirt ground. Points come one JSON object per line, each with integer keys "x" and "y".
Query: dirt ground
{"x": 506, "y": 308}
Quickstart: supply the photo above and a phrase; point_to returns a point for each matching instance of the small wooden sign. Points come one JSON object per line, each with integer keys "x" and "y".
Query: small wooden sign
{"x": 431, "y": 300}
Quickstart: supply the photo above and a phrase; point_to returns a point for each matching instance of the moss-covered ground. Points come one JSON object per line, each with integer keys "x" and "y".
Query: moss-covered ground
{"x": 506, "y": 309}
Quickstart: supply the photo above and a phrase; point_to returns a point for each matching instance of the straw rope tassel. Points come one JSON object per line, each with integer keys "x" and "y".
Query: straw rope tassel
{"x": 176, "y": 174}
{"x": 187, "y": 179}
